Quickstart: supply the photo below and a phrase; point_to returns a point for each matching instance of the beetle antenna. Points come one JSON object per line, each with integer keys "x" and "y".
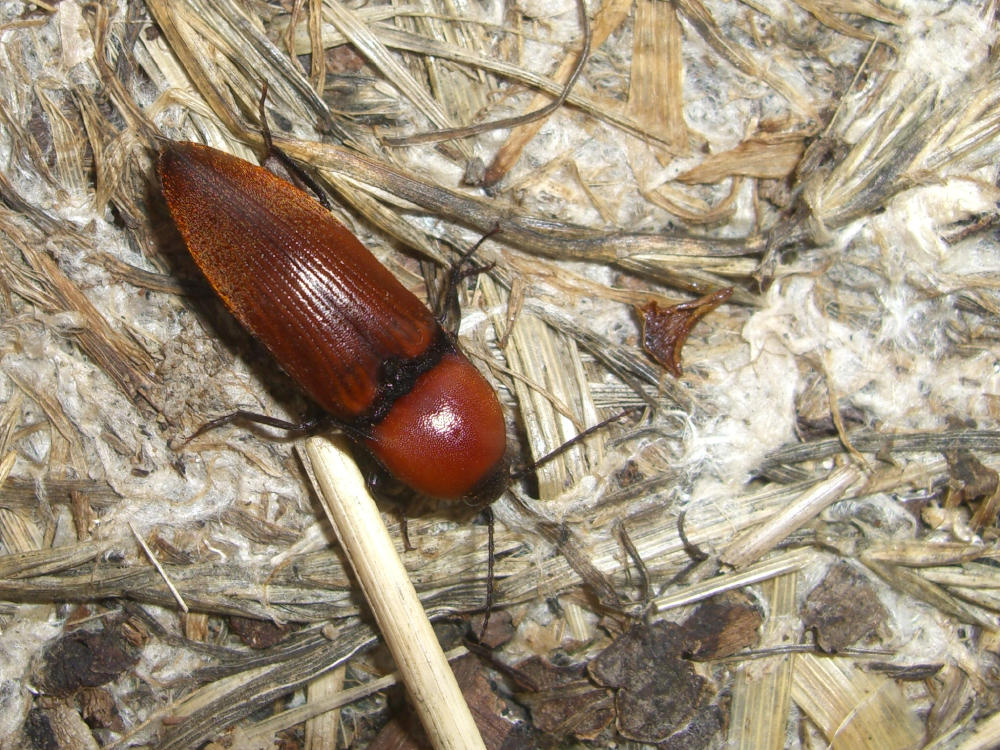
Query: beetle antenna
{"x": 278, "y": 162}
{"x": 462, "y": 268}
{"x": 578, "y": 438}
{"x": 495, "y": 229}
{"x": 265, "y": 129}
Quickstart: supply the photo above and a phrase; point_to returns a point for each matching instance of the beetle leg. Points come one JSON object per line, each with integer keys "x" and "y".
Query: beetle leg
{"x": 310, "y": 424}
{"x": 490, "y": 562}
{"x": 404, "y": 531}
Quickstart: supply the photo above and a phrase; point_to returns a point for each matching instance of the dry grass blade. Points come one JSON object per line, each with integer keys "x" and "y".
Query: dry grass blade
{"x": 985, "y": 736}
{"x": 917, "y": 135}
{"x": 590, "y": 103}
{"x": 511, "y": 122}
{"x": 788, "y": 562}
{"x": 18, "y": 492}
{"x": 369, "y": 46}
{"x": 317, "y": 70}
{"x": 551, "y": 238}
{"x": 762, "y": 689}
{"x": 39, "y": 562}
{"x": 6, "y": 464}
{"x": 18, "y": 532}
{"x": 765, "y": 157}
{"x": 459, "y": 90}
{"x": 547, "y": 393}
{"x": 916, "y": 585}
{"x": 826, "y": 13}
{"x": 656, "y": 82}
{"x": 322, "y": 726}
{"x": 872, "y": 442}
{"x": 218, "y": 706}
{"x": 749, "y": 547}
{"x": 608, "y": 19}
{"x": 215, "y": 57}
{"x": 630, "y": 366}
{"x": 123, "y": 360}
{"x": 854, "y": 708}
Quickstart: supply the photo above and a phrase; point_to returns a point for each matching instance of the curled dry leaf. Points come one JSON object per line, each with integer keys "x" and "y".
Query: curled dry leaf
{"x": 664, "y": 330}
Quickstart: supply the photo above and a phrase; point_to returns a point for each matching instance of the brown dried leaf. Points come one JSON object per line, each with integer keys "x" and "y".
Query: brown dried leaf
{"x": 562, "y": 700}
{"x": 659, "y": 695}
{"x": 489, "y": 710}
{"x": 258, "y": 633}
{"x": 976, "y": 485}
{"x": 700, "y": 731}
{"x": 976, "y": 480}
{"x": 843, "y": 608}
{"x": 656, "y": 83}
{"x": 85, "y": 658}
{"x": 722, "y": 626}
{"x": 499, "y": 629}
{"x": 665, "y": 330}
{"x": 98, "y": 709}
{"x": 770, "y": 158}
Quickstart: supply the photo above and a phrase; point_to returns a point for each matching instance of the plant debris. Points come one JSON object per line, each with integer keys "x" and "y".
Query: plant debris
{"x": 85, "y": 658}
{"x": 658, "y": 695}
{"x": 664, "y": 330}
{"x": 562, "y": 700}
{"x": 258, "y": 633}
{"x": 830, "y": 163}
{"x": 722, "y": 626}
{"x": 843, "y": 609}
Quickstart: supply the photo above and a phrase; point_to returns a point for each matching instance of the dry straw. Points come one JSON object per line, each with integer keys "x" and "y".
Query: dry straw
{"x": 400, "y": 616}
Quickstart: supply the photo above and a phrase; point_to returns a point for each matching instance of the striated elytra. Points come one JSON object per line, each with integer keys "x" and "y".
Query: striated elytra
{"x": 358, "y": 342}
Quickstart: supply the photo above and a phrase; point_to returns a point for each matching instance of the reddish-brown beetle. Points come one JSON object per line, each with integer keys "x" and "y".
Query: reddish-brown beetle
{"x": 361, "y": 345}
